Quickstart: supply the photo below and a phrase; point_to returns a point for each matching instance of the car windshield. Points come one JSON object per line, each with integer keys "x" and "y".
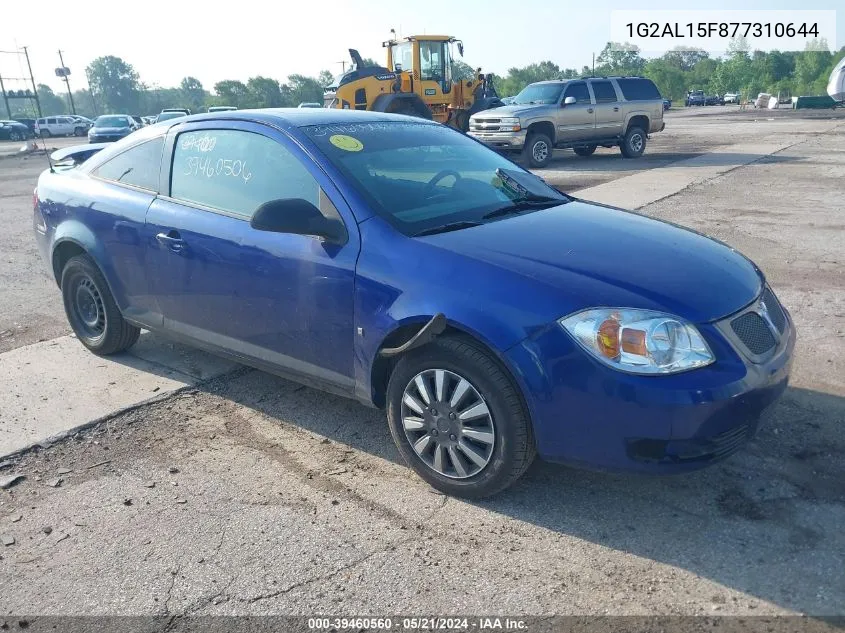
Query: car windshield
{"x": 164, "y": 116}
{"x": 112, "y": 121}
{"x": 539, "y": 93}
{"x": 421, "y": 176}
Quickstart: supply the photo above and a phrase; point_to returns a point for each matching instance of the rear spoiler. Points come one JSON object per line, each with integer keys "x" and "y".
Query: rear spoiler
{"x": 77, "y": 154}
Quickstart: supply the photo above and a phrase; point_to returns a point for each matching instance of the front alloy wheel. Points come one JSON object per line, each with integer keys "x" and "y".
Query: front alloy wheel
{"x": 448, "y": 423}
{"x": 458, "y": 418}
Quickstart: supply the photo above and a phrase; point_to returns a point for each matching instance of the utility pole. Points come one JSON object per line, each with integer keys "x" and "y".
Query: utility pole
{"x": 594, "y": 64}
{"x": 342, "y": 66}
{"x": 32, "y": 79}
{"x": 5, "y": 98}
{"x": 66, "y": 72}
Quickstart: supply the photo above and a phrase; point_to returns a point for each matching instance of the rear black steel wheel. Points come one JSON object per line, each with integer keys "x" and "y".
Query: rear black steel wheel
{"x": 91, "y": 310}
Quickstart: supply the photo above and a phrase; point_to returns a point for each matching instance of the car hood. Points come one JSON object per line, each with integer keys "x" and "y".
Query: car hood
{"x": 583, "y": 255}
{"x": 109, "y": 130}
{"x": 509, "y": 110}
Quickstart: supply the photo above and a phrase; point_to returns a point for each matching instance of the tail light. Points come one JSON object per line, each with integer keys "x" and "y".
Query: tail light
{"x": 38, "y": 217}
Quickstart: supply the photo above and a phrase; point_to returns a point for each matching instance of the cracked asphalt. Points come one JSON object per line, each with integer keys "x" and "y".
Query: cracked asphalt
{"x": 253, "y": 495}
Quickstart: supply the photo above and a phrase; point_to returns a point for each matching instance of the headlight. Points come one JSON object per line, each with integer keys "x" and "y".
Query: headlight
{"x": 639, "y": 341}
{"x": 509, "y": 124}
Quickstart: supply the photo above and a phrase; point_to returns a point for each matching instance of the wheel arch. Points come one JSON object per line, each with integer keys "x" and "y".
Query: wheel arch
{"x": 382, "y": 366}
{"x": 71, "y": 239}
{"x": 389, "y": 102}
{"x": 638, "y": 120}
{"x": 542, "y": 127}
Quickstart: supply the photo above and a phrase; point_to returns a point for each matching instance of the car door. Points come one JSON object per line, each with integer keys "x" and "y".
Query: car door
{"x": 608, "y": 109}
{"x": 281, "y": 301}
{"x": 575, "y": 121}
{"x": 65, "y": 125}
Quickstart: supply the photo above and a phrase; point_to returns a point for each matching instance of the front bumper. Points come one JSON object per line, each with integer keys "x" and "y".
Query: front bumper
{"x": 590, "y": 415}
{"x": 500, "y": 140}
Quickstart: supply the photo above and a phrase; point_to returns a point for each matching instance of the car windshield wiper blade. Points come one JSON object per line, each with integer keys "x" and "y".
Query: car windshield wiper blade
{"x": 526, "y": 204}
{"x": 445, "y": 228}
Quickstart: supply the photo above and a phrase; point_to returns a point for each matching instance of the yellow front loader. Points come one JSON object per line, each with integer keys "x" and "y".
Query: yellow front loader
{"x": 417, "y": 81}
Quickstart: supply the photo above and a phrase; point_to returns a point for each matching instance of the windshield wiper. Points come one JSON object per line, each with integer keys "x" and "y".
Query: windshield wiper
{"x": 525, "y": 204}
{"x": 445, "y": 228}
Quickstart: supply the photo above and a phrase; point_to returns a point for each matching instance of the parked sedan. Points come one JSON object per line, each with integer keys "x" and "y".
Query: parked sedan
{"x": 14, "y": 131}
{"x": 400, "y": 263}
{"x": 111, "y": 127}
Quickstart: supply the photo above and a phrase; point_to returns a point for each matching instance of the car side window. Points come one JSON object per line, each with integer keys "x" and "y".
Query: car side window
{"x": 138, "y": 166}
{"x": 604, "y": 91}
{"x": 579, "y": 91}
{"x": 51, "y": 121}
{"x": 237, "y": 171}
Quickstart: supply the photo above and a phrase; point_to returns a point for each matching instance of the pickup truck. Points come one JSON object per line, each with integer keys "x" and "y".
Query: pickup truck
{"x": 580, "y": 114}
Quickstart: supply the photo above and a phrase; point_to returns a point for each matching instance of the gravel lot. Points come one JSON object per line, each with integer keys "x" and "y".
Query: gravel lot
{"x": 253, "y": 495}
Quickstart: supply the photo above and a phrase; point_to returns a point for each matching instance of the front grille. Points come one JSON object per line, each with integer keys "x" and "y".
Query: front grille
{"x": 485, "y": 125}
{"x": 774, "y": 309}
{"x": 754, "y": 333}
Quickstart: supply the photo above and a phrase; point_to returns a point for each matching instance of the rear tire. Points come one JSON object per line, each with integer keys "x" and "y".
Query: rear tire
{"x": 586, "y": 150}
{"x": 633, "y": 145}
{"x": 91, "y": 310}
{"x": 45, "y": 134}
{"x": 538, "y": 150}
{"x": 498, "y": 443}
{"x": 14, "y": 135}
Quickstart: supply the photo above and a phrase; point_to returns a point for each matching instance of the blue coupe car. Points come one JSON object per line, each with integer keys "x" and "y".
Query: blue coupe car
{"x": 398, "y": 262}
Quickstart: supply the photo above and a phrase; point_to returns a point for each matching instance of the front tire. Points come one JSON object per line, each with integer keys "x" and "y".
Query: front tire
{"x": 14, "y": 135}
{"x": 538, "y": 150}
{"x": 91, "y": 309}
{"x": 458, "y": 420}
{"x": 79, "y": 131}
{"x": 633, "y": 145}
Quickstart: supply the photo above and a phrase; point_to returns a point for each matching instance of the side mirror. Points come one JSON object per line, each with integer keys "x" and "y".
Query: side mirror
{"x": 569, "y": 101}
{"x": 299, "y": 217}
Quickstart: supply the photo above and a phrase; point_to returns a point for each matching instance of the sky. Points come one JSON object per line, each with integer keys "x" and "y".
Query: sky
{"x": 166, "y": 41}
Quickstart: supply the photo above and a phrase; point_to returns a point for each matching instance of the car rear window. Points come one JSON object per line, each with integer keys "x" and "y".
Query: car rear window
{"x": 638, "y": 89}
{"x": 138, "y": 166}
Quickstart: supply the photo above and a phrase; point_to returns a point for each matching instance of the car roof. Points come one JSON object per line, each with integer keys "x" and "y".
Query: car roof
{"x": 297, "y": 117}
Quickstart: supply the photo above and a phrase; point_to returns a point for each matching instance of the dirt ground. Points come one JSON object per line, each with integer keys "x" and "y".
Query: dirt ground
{"x": 253, "y": 495}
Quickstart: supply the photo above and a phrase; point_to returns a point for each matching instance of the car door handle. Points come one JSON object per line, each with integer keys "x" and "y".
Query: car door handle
{"x": 616, "y": 109}
{"x": 172, "y": 240}
{"x": 590, "y": 110}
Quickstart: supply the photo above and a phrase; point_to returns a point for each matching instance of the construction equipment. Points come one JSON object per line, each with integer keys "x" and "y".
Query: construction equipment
{"x": 417, "y": 81}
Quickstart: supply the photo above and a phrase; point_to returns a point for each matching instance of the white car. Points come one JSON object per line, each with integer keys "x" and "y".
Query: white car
{"x": 731, "y": 97}
{"x": 59, "y": 126}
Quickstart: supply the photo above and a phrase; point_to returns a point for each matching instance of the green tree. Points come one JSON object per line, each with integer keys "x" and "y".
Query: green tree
{"x": 304, "y": 89}
{"x": 264, "y": 93}
{"x": 325, "y": 78}
{"x": 115, "y": 83}
{"x": 669, "y": 78}
{"x": 50, "y": 102}
{"x": 233, "y": 92}
{"x": 193, "y": 94}
{"x": 684, "y": 60}
{"x": 620, "y": 59}
{"x": 812, "y": 68}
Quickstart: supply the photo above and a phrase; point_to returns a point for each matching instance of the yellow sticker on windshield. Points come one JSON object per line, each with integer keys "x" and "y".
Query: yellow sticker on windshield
{"x": 348, "y": 143}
